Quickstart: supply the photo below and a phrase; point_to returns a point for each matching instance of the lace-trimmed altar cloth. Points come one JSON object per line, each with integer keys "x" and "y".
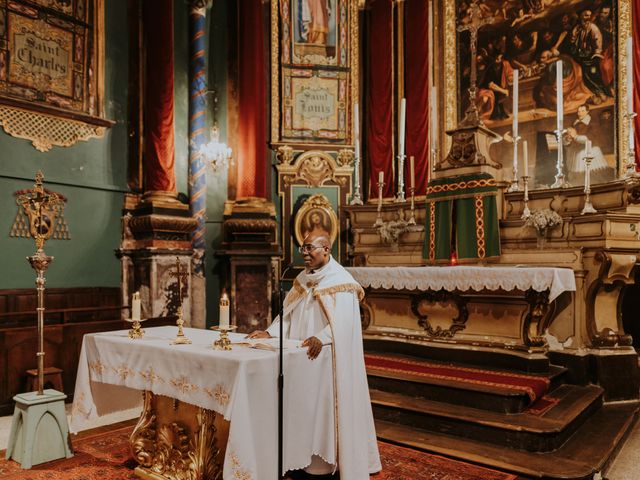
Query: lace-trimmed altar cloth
{"x": 240, "y": 384}
{"x": 463, "y": 277}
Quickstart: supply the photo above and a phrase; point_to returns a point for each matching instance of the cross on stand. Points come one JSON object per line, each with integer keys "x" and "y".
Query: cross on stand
{"x": 475, "y": 22}
{"x": 180, "y": 276}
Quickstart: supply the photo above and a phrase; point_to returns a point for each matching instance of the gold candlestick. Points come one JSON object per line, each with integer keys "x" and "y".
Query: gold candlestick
{"x": 379, "y": 221}
{"x": 412, "y": 218}
{"x": 136, "y": 331}
{"x": 223, "y": 343}
{"x": 588, "y": 207}
{"x": 526, "y": 213}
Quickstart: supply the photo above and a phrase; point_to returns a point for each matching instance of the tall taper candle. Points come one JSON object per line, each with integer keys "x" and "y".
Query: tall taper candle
{"x": 224, "y": 311}
{"x": 401, "y": 128}
{"x": 135, "y": 306}
{"x": 560, "y": 97}
{"x": 356, "y": 130}
{"x": 515, "y": 103}
{"x": 380, "y": 176}
{"x": 525, "y": 158}
{"x": 412, "y": 172}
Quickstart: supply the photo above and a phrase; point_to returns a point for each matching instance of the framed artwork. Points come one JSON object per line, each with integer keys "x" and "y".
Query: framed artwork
{"x": 51, "y": 63}
{"x": 530, "y": 37}
{"x": 314, "y": 71}
{"x": 316, "y": 216}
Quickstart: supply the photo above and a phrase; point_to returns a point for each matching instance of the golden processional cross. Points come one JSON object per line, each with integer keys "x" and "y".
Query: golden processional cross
{"x": 473, "y": 22}
{"x": 181, "y": 277}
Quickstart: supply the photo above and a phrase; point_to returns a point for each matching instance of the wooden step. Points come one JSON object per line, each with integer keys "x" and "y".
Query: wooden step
{"x": 527, "y": 431}
{"x": 586, "y": 452}
{"x": 487, "y": 397}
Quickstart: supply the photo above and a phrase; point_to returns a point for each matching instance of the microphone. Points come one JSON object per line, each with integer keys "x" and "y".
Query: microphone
{"x": 285, "y": 271}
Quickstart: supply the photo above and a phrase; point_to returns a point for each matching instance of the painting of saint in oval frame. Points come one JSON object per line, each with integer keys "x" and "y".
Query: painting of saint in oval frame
{"x": 316, "y": 216}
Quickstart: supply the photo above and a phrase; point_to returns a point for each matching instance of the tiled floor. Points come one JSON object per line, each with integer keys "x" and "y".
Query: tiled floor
{"x": 626, "y": 466}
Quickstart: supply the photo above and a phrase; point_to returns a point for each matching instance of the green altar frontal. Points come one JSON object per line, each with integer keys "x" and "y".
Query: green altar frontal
{"x": 462, "y": 217}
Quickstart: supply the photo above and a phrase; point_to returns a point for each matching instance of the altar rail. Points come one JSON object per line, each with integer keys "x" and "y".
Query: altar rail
{"x": 70, "y": 314}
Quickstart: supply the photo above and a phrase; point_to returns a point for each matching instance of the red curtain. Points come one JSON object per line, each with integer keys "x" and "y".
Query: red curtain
{"x": 159, "y": 140}
{"x": 635, "y": 27}
{"x": 380, "y": 97}
{"x": 416, "y": 89}
{"x": 252, "y": 102}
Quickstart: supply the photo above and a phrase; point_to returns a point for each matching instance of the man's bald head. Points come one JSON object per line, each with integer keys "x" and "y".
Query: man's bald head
{"x": 319, "y": 239}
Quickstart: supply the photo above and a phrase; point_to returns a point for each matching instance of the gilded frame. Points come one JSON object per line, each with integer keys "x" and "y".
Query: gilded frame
{"x": 315, "y": 205}
{"x": 287, "y": 67}
{"x": 445, "y": 21}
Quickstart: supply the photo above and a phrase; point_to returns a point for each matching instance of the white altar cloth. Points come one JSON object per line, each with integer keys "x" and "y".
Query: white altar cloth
{"x": 240, "y": 384}
{"x": 467, "y": 277}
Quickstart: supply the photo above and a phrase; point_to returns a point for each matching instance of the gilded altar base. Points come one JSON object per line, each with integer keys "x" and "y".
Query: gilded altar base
{"x": 174, "y": 440}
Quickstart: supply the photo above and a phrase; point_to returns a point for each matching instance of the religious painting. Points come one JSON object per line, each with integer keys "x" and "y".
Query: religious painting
{"x": 314, "y": 70}
{"x": 527, "y": 39}
{"x": 51, "y": 60}
{"x": 315, "y": 217}
{"x": 315, "y": 30}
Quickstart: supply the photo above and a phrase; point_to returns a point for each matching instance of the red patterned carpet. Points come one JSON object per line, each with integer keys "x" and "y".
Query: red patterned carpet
{"x": 107, "y": 456}
{"x": 533, "y": 386}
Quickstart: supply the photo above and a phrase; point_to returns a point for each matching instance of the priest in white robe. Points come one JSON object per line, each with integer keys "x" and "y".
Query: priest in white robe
{"x": 323, "y": 309}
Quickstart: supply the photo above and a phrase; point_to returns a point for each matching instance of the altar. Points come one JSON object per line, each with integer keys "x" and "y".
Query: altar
{"x": 193, "y": 395}
{"x": 490, "y": 306}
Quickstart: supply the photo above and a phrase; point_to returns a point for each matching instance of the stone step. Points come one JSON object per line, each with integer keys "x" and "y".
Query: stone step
{"x": 542, "y": 432}
{"x": 585, "y": 453}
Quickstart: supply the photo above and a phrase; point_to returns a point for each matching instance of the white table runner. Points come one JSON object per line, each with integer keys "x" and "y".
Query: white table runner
{"x": 240, "y": 384}
{"x": 463, "y": 277}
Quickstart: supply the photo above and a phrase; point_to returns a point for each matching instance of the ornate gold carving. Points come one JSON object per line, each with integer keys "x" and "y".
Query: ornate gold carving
{"x": 315, "y": 168}
{"x": 46, "y": 131}
{"x": 457, "y": 323}
{"x": 615, "y": 272}
{"x": 533, "y": 326}
{"x": 171, "y": 449}
{"x": 143, "y": 436}
{"x": 624, "y": 32}
{"x": 285, "y": 154}
{"x": 345, "y": 157}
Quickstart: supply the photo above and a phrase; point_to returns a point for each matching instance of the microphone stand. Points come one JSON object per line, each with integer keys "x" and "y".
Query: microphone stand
{"x": 281, "y": 374}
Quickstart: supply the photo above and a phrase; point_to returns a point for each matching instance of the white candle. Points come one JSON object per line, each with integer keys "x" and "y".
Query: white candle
{"x": 224, "y": 311}
{"x": 630, "y": 92}
{"x": 525, "y": 158}
{"x": 356, "y": 130}
{"x": 515, "y": 103}
{"x": 135, "y": 306}
{"x": 630, "y": 74}
{"x": 412, "y": 172}
{"x": 560, "y": 97}
{"x": 403, "y": 112}
{"x": 434, "y": 116}
{"x": 588, "y": 149}
{"x": 380, "y": 177}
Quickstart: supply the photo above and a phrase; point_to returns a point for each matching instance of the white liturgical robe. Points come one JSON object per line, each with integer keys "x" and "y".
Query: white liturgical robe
{"x": 325, "y": 304}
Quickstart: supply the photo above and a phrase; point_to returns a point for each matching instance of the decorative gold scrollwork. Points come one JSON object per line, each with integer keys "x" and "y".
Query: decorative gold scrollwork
{"x": 457, "y": 324}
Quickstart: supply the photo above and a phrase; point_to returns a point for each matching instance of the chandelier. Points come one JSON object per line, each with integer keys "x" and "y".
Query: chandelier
{"x": 216, "y": 152}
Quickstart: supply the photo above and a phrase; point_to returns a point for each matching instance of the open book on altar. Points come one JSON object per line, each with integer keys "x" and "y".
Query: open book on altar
{"x": 272, "y": 344}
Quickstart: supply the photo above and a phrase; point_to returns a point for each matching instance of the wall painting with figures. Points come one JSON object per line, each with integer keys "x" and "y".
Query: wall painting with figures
{"x": 531, "y": 36}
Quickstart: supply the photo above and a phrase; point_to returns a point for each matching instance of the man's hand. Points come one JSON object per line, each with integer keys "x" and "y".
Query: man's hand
{"x": 259, "y": 334}
{"x": 314, "y": 346}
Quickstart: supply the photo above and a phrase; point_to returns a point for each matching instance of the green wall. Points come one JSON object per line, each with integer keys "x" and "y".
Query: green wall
{"x": 92, "y": 175}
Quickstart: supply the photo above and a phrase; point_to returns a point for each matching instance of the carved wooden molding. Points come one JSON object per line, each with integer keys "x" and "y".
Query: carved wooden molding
{"x": 457, "y": 324}
{"x": 46, "y": 131}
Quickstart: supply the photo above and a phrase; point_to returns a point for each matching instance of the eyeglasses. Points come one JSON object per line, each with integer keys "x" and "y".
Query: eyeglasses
{"x": 308, "y": 248}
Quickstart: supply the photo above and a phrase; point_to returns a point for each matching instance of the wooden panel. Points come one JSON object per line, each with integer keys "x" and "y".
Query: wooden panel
{"x": 69, "y": 315}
